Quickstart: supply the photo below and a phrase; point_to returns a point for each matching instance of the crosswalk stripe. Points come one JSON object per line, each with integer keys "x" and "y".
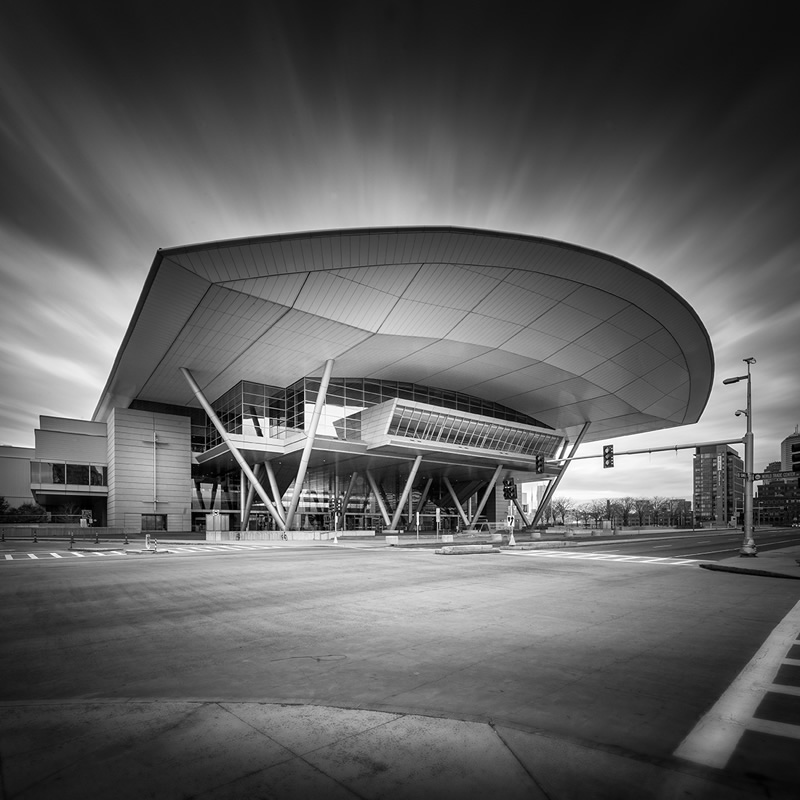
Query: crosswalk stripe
{"x": 670, "y": 561}
{"x": 32, "y": 555}
{"x": 55, "y": 555}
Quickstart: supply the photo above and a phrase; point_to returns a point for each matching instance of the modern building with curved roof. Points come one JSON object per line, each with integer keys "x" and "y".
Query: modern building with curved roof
{"x": 389, "y": 370}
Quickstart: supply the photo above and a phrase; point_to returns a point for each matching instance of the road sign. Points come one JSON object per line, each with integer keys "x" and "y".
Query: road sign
{"x": 765, "y": 476}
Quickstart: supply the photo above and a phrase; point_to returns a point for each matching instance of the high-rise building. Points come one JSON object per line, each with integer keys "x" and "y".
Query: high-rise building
{"x": 790, "y": 451}
{"x": 778, "y": 500}
{"x": 718, "y": 485}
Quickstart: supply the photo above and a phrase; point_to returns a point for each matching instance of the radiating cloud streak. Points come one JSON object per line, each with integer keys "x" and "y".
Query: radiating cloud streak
{"x": 658, "y": 135}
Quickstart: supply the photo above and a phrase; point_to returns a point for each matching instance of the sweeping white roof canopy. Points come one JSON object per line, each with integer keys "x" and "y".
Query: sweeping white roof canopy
{"x": 559, "y": 332}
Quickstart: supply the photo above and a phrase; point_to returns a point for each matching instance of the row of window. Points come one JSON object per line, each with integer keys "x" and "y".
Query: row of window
{"x": 60, "y": 472}
{"x": 430, "y": 426}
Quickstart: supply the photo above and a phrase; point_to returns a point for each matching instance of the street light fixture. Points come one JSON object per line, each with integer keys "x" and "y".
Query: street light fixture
{"x": 748, "y": 549}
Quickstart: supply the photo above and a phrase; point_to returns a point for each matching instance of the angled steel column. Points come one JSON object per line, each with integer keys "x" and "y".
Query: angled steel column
{"x": 311, "y": 434}
{"x": 199, "y": 492}
{"x": 553, "y": 485}
{"x": 346, "y": 498}
{"x": 486, "y": 494}
{"x": 231, "y": 446}
{"x": 459, "y": 508}
{"x": 251, "y": 493}
{"x": 378, "y": 498}
{"x": 424, "y": 496}
{"x": 521, "y": 512}
{"x": 401, "y": 502}
{"x": 273, "y": 484}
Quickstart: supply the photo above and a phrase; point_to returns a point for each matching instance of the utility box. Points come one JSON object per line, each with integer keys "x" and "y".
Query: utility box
{"x": 217, "y": 522}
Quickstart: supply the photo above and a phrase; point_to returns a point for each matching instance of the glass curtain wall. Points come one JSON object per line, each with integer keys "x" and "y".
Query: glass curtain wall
{"x": 259, "y": 410}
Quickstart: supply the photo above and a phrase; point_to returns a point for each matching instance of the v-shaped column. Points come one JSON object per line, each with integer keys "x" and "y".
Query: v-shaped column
{"x": 240, "y": 460}
{"x": 409, "y": 483}
{"x": 311, "y": 434}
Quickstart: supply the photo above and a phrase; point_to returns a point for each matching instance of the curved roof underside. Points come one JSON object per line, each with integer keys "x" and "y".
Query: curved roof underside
{"x": 562, "y": 333}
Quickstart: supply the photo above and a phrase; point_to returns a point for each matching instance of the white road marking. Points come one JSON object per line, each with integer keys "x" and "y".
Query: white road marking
{"x": 9, "y": 557}
{"x": 55, "y": 555}
{"x": 32, "y": 555}
{"x": 715, "y": 737}
{"x": 670, "y": 561}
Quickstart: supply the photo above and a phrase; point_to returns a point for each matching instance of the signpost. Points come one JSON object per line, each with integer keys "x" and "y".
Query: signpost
{"x": 765, "y": 476}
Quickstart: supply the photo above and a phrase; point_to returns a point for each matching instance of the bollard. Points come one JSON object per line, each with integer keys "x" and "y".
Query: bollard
{"x": 97, "y": 538}
{"x": 71, "y": 540}
{"x": 126, "y": 539}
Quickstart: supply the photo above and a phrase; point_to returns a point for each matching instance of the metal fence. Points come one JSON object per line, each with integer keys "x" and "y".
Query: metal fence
{"x": 59, "y": 532}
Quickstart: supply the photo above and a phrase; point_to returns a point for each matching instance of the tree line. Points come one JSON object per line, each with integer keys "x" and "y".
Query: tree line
{"x": 620, "y": 511}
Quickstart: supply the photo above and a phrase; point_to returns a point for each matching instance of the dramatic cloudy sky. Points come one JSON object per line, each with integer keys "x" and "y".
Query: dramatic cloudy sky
{"x": 662, "y": 133}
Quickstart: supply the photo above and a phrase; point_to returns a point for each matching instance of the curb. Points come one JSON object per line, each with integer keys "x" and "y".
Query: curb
{"x": 748, "y": 571}
{"x": 466, "y": 549}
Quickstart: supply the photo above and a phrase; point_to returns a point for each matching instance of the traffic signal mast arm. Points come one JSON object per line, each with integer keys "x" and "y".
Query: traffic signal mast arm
{"x": 691, "y": 446}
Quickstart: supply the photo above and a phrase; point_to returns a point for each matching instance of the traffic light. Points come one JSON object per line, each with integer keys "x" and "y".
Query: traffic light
{"x": 509, "y": 489}
{"x": 539, "y": 464}
{"x": 608, "y": 456}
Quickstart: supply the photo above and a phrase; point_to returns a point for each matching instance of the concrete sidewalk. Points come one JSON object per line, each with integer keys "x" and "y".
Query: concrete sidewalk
{"x": 214, "y": 749}
{"x": 770, "y": 563}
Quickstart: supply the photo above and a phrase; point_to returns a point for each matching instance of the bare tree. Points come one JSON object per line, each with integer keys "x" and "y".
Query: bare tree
{"x": 659, "y": 503}
{"x": 547, "y": 513}
{"x": 627, "y": 506}
{"x": 642, "y": 506}
{"x": 583, "y": 512}
{"x": 561, "y": 507}
{"x": 597, "y": 508}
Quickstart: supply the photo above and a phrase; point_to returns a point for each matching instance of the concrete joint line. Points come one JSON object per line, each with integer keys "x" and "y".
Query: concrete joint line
{"x": 519, "y": 760}
{"x": 293, "y": 753}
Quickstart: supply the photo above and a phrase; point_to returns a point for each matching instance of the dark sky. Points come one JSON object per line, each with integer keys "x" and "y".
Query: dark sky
{"x": 663, "y": 133}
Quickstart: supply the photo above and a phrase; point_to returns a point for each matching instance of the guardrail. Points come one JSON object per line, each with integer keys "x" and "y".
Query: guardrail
{"x": 67, "y": 532}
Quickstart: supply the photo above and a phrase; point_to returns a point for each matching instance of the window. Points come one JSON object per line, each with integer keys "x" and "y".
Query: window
{"x": 78, "y": 474}
{"x": 154, "y": 522}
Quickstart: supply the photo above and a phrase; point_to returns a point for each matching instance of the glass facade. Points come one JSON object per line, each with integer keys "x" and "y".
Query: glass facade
{"x": 431, "y": 426}
{"x": 261, "y": 411}
{"x": 63, "y": 473}
{"x": 215, "y": 492}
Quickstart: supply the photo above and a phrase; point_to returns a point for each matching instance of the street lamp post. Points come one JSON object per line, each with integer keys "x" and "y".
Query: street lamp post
{"x": 748, "y": 549}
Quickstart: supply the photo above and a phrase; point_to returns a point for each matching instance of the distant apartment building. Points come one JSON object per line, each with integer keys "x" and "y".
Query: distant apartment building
{"x": 790, "y": 451}
{"x": 778, "y": 498}
{"x": 718, "y": 485}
